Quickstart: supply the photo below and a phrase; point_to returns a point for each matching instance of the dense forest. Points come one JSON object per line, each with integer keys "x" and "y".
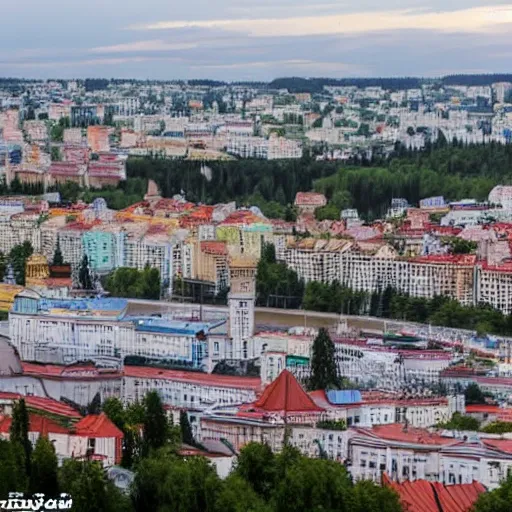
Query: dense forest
{"x": 451, "y": 170}
{"x": 273, "y": 180}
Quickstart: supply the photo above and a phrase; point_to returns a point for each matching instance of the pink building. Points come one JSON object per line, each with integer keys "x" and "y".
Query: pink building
{"x": 97, "y": 139}
{"x": 308, "y": 202}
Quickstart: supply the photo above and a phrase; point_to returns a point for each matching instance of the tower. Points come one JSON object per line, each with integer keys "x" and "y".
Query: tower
{"x": 241, "y": 299}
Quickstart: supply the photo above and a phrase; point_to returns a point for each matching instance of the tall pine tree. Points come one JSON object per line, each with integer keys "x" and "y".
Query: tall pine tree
{"x": 156, "y": 427}
{"x": 58, "y": 259}
{"x": 19, "y": 431}
{"x": 84, "y": 274}
{"x": 43, "y": 476}
{"x": 186, "y": 430}
{"x": 324, "y": 370}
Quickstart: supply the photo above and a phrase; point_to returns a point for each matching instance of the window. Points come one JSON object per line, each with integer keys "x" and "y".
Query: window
{"x": 363, "y": 463}
{"x": 216, "y": 347}
{"x": 373, "y": 465}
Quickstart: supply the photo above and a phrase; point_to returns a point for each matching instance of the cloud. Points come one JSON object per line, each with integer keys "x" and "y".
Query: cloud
{"x": 155, "y": 45}
{"x": 288, "y": 63}
{"x": 475, "y": 19}
{"x": 87, "y": 62}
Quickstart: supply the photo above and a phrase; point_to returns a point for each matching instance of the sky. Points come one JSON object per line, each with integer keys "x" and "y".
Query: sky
{"x": 253, "y": 40}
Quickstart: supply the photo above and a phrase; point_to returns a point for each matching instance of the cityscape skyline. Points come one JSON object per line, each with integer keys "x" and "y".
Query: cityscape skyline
{"x": 239, "y": 41}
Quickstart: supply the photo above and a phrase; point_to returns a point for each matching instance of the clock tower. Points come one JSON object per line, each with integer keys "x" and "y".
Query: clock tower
{"x": 241, "y": 299}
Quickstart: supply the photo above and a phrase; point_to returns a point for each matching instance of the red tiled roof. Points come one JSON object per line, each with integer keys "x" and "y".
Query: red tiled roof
{"x": 454, "y": 259}
{"x": 97, "y": 425}
{"x": 285, "y": 394}
{"x": 37, "y": 423}
{"x": 503, "y": 445}
{"x": 43, "y": 404}
{"x": 105, "y": 169}
{"x": 51, "y": 406}
{"x": 397, "y": 432}
{"x": 80, "y": 371}
{"x": 205, "y": 379}
{"x": 502, "y": 267}
{"x": 424, "y": 496}
{"x": 483, "y": 409}
{"x": 243, "y": 217}
{"x": 64, "y": 168}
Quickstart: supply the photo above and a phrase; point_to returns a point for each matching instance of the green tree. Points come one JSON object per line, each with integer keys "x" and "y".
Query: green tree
{"x": 324, "y": 370}
{"x": 165, "y": 482}
{"x": 132, "y": 283}
{"x": 186, "y": 430}
{"x": 57, "y": 256}
{"x": 369, "y": 497}
{"x": 43, "y": 475}
{"x": 18, "y": 258}
{"x": 498, "y": 427}
{"x": 156, "y": 426}
{"x": 474, "y": 395}
{"x": 19, "y": 431}
{"x": 150, "y": 283}
{"x": 95, "y": 406}
{"x": 328, "y": 212}
{"x": 256, "y": 464}
{"x": 55, "y": 154}
{"x": 91, "y": 491}
{"x": 84, "y": 274}
{"x": 13, "y": 476}
{"x": 3, "y": 265}
{"x": 498, "y": 500}
{"x": 460, "y": 422}
{"x": 314, "y": 485}
{"x": 114, "y": 409}
{"x": 237, "y": 495}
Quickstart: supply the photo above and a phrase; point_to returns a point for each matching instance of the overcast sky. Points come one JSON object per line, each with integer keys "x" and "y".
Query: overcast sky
{"x": 253, "y": 40}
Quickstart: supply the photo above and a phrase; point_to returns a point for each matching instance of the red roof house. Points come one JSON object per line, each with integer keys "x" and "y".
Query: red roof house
{"x": 286, "y": 395}
{"x": 424, "y": 496}
{"x": 104, "y": 439}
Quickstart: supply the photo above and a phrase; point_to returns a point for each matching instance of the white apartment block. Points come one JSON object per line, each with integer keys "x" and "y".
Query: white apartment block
{"x": 421, "y": 277}
{"x": 188, "y": 390}
{"x": 274, "y": 148}
{"x": 413, "y": 454}
{"x": 19, "y": 228}
{"x": 494, "y": 287}
{"x": 315, "y": 260}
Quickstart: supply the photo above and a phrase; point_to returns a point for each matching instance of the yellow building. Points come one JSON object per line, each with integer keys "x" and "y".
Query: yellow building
{"x": 7, "y": 294}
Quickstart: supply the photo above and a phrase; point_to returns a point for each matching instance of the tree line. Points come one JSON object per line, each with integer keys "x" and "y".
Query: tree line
{"x": 273, "y": 180}
{"x": 389, "y": 303}
{"x": 448, "y": 169}
{"x": 133, "y": 283}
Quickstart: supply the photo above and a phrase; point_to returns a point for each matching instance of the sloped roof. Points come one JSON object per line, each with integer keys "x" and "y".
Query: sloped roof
{"x": 285, "y": 394}
{"x": 424, "y": 496}
{"x": 97, "y": 425}
{"x": 37, "y": 423}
